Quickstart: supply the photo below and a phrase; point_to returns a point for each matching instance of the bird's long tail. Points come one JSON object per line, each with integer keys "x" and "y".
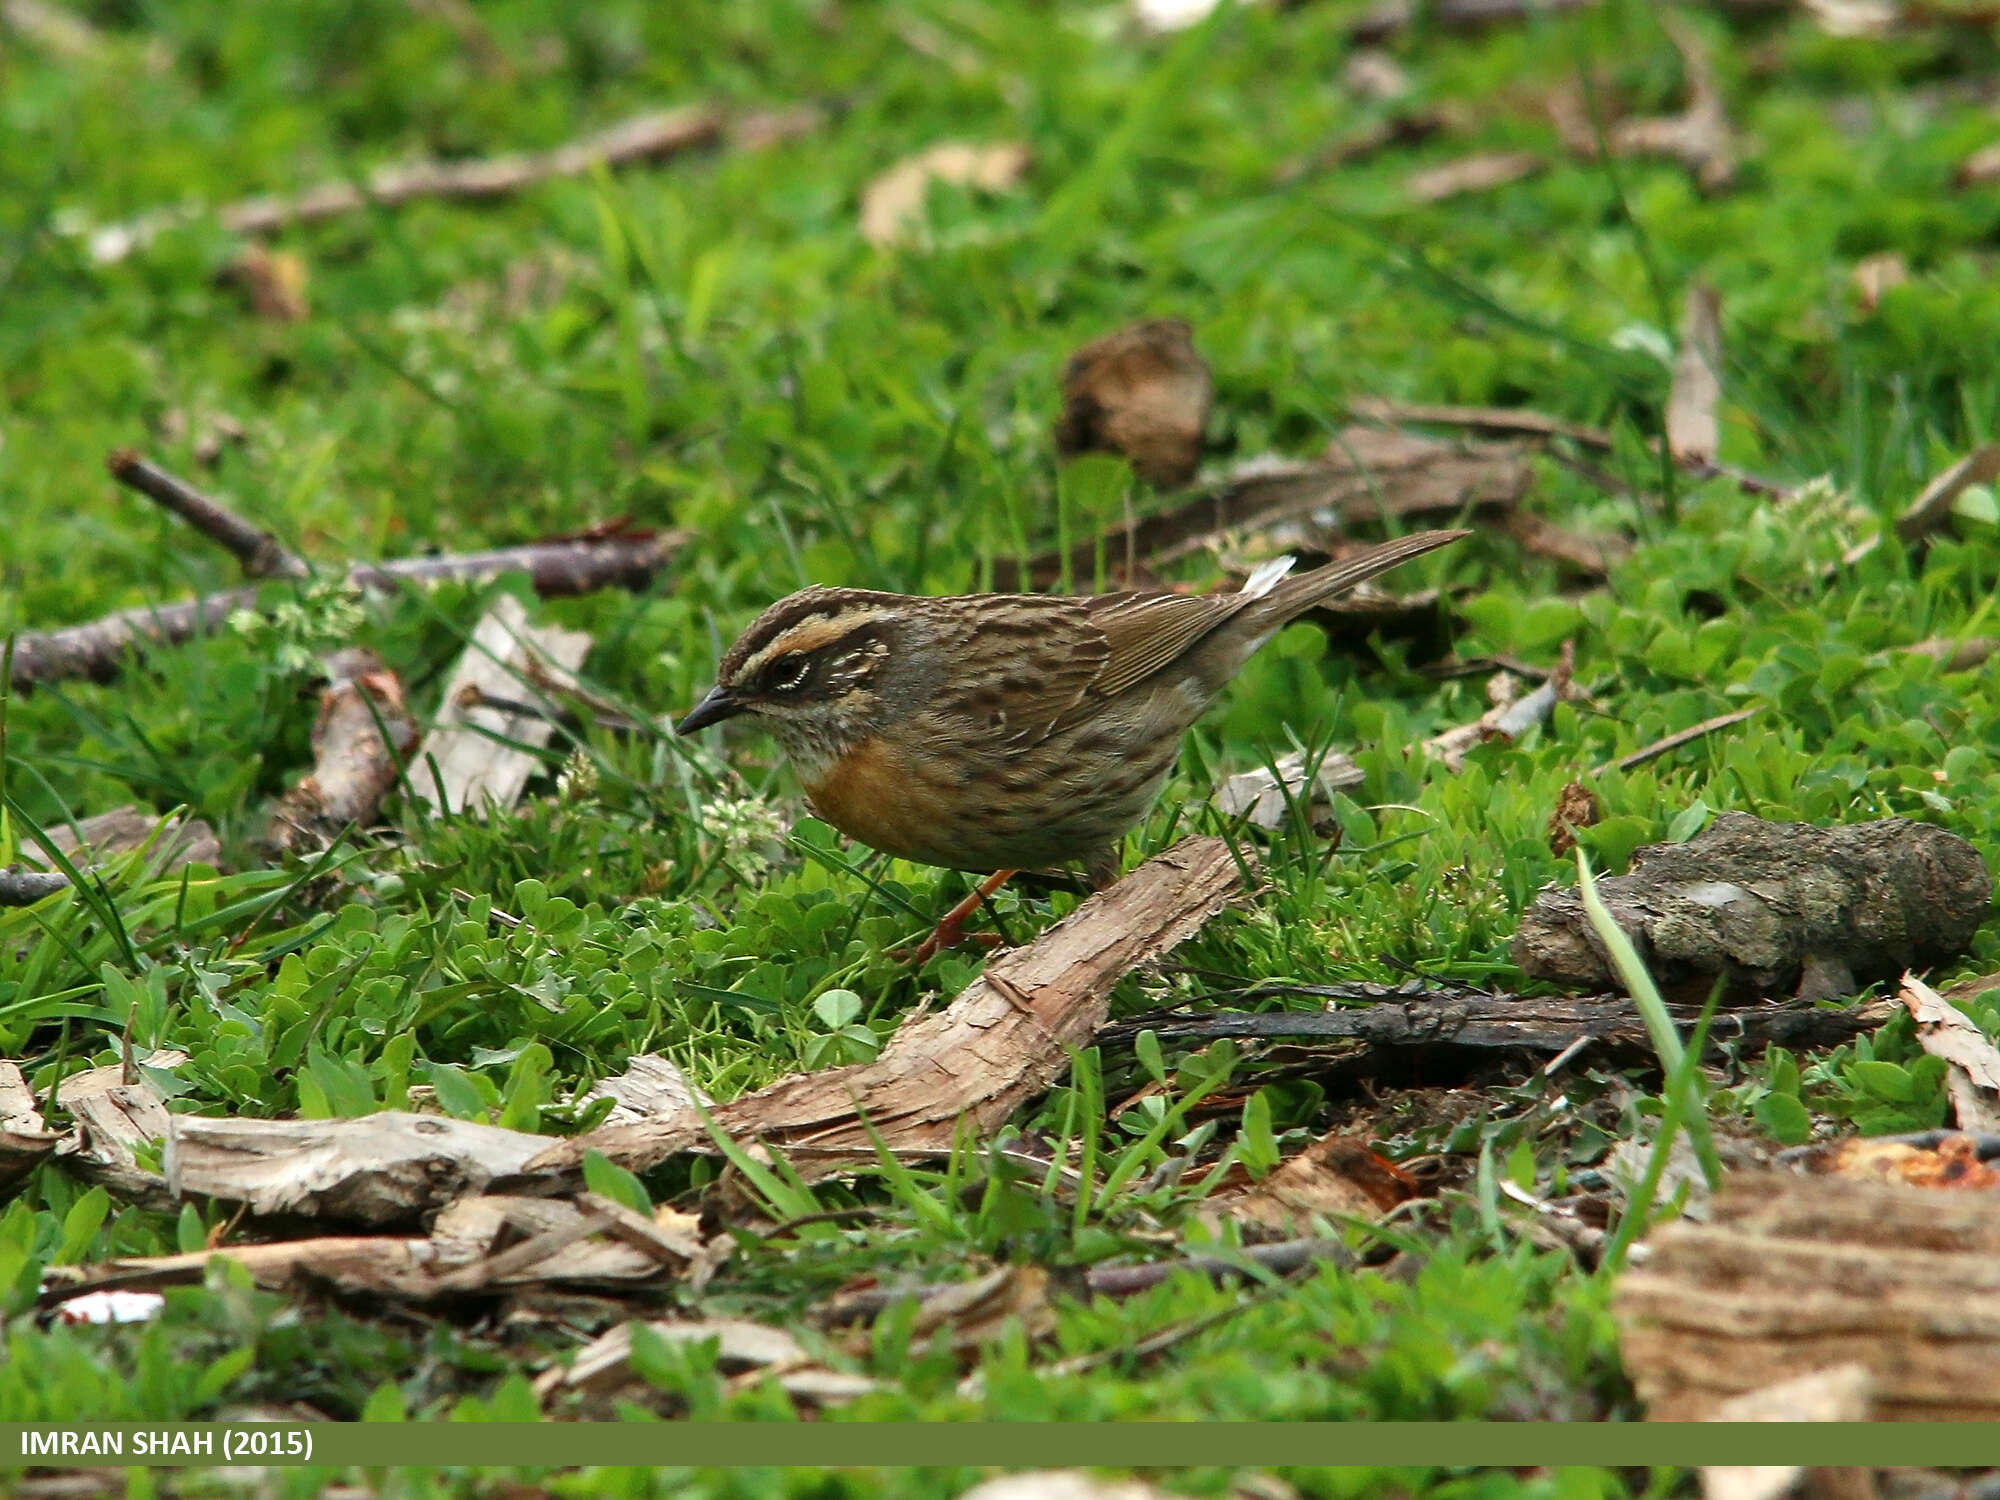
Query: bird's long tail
{"x": 1293, "y": 596}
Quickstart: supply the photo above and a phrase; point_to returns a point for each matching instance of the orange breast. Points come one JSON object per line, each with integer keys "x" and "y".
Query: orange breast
{"x": 873, "y": 795}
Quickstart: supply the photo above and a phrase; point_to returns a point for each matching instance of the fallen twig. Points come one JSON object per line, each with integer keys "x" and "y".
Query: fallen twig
{"x": 98, "y": 650}
{"x": 1930, "y": 512}
{"x": 1508, "y": 719}
{"x": 1667, "y": 744}
{"x": 1005, "y": 1038}
{"x": 262, "y": 555}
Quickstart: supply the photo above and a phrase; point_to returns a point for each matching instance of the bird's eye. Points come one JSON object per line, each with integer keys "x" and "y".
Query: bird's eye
{"x": 789, "y": 672}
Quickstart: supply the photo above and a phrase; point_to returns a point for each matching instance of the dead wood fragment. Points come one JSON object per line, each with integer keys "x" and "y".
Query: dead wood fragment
{"x": 107, "y": 836}
{"x": 1337, "y": 1177}
{"x": 892, "y": 206}
{"x": 1143, "y": 392}
{"x": 98, "y": 650}
{"x": 1972, "y": 1081}
{"x": 354, "y": 765}
{"x": 1264, "y": 800}
{"x": 1794, "y": 1273}
{"x": 1509, "y": 718}
{"x": 650, "y": 1085}
{"x": 25, "y": 1141}
{"x": 1001, "y": 1042}
{"x": 261, "y": 554}
{"x": 465, "y": 762}
{"x": 379, "y": 1169}
{"x": 1577, "y": 806}
{"x": 26, "y": 887}
{"x": 1773, "y": 907}
{"x": 1366, "y": 475}
{"x": 669, "y": 1241}
{"x": 648, "y": 137}
{"x": 743, "y": 1348}
{"x": 1417, "y": 1016}
{"x": 1669, "y": 743}
{"x": 1694, "y": 430}
{"x": 1931, "y": 510}
{"x": 115, "y": 1114}
{"x": 962, "y": 1315}
{"x": 1480, "y": 173}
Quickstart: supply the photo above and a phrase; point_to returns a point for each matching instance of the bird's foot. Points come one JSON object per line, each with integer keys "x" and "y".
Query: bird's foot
{"x": 950, "y": 932}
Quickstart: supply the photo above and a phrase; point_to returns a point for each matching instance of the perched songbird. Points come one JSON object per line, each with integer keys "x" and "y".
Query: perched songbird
{"x": 999, "y": 732}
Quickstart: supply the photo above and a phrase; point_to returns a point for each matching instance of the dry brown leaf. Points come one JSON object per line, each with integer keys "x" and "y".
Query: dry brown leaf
{"x": 1694, "y": 430}
{"x": 1805, "y": 1272}
{"x": 354, "y": 767}
{"x": 650, "y": 1085}
{"x": 1577, "y": 806}
{"x": 1973, "y": 1078}
{"x": 1143, "y": 392}
{"x": 1874, "y": 275}
{"x": 892, "y": 206}
{"x": 472, "y": 742}
{"x": 276, "y": 282}
{"x": 1472, "y": 174}
{"x": 1337, "y": 1177}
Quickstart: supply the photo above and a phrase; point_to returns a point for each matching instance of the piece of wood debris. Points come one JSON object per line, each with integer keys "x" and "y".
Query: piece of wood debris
{"x": 378, "y": 1169}
{"x": 1875, "y": 276}
{"x": 1957, "y": 655}
{"x": 1143, "y": 392}
{"x": 962, "y": 1315}
{"x": 650, "y": 1085}
{"x": 261, "y": 554}
{"x": 1772, "y": 908}
{"x": 1381, "y": 1017}
{"x": 465, "y": 764}
{"x": 1593, "y": 554}
{"x": 111, "y": 835}
{"x": 1366, "y": 476}
{"x": 354, "y": 765}
{"x": 1669, "y": 743}
{"x": 1508, "y": 719}
{"x": 1283, "y": 1258}
{"x": 26, "y": 887}
{"x": 892, "y": 206}
{"x": 1481, "y": 173}
{"x": 1264, "y": 800}
{"x": 115, "y": 1115}
{"x": 1792, "y": 1273}
{"x": 1930, "y": 513}
{"x": 1008, "y": 1035}
{"x": 100, "y": 649}
{"x": 1335, "y": 1178}
{"x": 25, "y": 1141}
{"x": 743, "y": 1348}
{"x": 1972, "y": 1081}
{"x": 643, "y": 138}
{"x": 1694, "y": 428}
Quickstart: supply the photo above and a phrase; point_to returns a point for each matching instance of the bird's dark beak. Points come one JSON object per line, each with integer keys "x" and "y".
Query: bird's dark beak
{"x": 713, "y": 709}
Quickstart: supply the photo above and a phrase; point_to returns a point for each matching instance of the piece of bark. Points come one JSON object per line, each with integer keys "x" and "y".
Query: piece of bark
{"x": 1792, "y": 1273}
{"x": 354, "y": 766}
{"x": 378, "y": 1169}
{"x": 115, "y": 1115}
{"x": 1367, "y": 475}
{"x": 1508, "y": 719}
{"x": 1264, "y": 800}
{"x": 1972, "y": 1080}
{"x": 261, "y": 554}
{"x": 25, "y": 1141}
{"x": 1472, "y": 174}
{"x": 647, "y": 137}
{"x": 1694, "y": 429}
{"x": 111, "y": 835}
{"x": 650, "y": 1085}
{"x": 1337, "y": 1177}
{"x": 1143, "y": 392}
{"x": 508, "y": 658}
{"x": 1001, "y": 1042}
{"x": 99, "y": 650}
{"x": 892, "y": 206}
{"x": 1387, "y": 1017}
{"x": 1772, "y": 907}
{"x": 743, "y": 1348}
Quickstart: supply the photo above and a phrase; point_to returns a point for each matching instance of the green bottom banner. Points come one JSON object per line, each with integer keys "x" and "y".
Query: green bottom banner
{"x": 1112, "y": 1445}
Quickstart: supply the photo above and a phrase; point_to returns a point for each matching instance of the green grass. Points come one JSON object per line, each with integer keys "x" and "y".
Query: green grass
{"x": 710, "y": 344}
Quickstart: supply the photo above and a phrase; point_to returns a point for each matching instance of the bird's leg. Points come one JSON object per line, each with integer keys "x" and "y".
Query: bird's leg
{"x": 950, "y": 932}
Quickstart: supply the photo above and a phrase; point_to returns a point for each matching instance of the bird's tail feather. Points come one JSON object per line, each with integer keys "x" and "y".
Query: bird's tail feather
{"x": 1294, "y": 596}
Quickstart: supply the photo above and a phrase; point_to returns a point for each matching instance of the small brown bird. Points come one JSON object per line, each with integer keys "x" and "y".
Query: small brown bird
{"x": 999, "y": 732}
